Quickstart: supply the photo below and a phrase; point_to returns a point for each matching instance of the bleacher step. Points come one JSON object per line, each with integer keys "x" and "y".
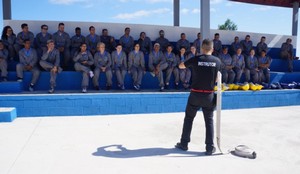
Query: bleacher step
{"x": 11, "y": 87}
{"x": 8, "y": 114}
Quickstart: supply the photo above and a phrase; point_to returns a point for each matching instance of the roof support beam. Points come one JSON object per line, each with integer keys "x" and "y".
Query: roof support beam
{"x": 205, "y": 19}
{"x": 6, "y": 7}
{"x": 176, "y": 12}
{"x": 295, "y": 18}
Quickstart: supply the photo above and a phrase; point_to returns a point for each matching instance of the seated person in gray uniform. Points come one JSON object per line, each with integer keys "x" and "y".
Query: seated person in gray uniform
{"x": 9, "y": 40}
{"x": 235, "y": 45}
{"x": 127, "y": 41}
{"x": 163, "y": 42}
{"x": 24, "y": 35}
{"x": 172, "y": 67}
{"x": 193, "y": 52}
{"x": 92, "y": 40}
{"x": 246, "y": 46}
{"x": 76, "y": 41}
{"x": 286, "y": 52}
{"x": 264, "y": 62}
{"x": 62, "y": 43}
{"x": 182, "y": 42}
{"x": 119, "y": 65}
{"x": 197, "y": 43}
{"x": 102, "y": 62}
{"x": 136, "y": 66}
{"x": 109, "y": 41}
{"x": 217, "y": 45}
{"x": 251, "y": 70}
{"x": 28, "y": 62}
{"x": 239, "y": 65}
{"x": 227, "y": 65}
{"x": 41, "y": 40}
{"x": 83, "y": 62}
{"x": 184, "y": 74}
{"x": 3, "y": 62}
{"x": 145, "y": 43}
{"x": 261, "y": 46}
{"x": 157, "y": 64}
{"x": 50, "y": 61}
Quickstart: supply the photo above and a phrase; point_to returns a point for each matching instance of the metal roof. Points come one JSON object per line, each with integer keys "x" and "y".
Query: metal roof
{"x": 278, "y": 3}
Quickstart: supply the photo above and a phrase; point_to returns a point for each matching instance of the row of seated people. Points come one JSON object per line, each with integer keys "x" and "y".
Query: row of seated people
{"x": 68, "y": 46}
{"x": 256, "y": 69}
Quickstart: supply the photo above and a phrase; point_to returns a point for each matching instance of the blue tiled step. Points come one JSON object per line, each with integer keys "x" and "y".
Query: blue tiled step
{"x": 7, "y": 114}
{"x": 11, "y": 87}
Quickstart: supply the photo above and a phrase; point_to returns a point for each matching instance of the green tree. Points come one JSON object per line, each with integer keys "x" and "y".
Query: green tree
{"x": 228, "y": 25}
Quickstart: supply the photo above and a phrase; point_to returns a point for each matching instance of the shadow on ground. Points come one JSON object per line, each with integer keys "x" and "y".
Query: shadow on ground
{"x": 119, "y": 151}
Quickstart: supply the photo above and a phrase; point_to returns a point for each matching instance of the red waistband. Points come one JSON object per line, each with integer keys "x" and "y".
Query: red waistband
{"x": 203, "y": 91}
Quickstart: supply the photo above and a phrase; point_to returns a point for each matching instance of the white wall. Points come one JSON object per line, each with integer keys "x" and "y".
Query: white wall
{"x": 172, "y": 33}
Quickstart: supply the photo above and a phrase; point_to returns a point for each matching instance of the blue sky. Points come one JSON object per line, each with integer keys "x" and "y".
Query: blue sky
{"x": 254, "y": 18}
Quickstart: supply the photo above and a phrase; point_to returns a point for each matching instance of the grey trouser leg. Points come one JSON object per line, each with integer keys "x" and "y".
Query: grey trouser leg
{"x": 238, "y": 74}
{"x": 108, "y": 74}
{"x": 185, "y": 75}
{"x": 160, "y": 75}
{"x": 11, "y": 51}
{"x": 137, "y": 75}
{"x": 120, "y": 73}
{"x": 35, "y": 73}
{"x": 254, "y": 76}
{"x": 48, "y": 66}
{"x": 85, "y": 74}
{"x": 3, "y": 68}
{"x": 247, "y": 75}
{"x": 175, "y": 72}
{"x": 228, "y": 76}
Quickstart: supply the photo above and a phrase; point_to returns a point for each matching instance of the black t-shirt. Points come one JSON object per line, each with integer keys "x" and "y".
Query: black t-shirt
{"x": 204, "y": 71}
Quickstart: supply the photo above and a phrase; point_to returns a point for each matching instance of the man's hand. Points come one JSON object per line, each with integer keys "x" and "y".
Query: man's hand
{"x": 182, "y": 66}
{"x": 28, "y": 67}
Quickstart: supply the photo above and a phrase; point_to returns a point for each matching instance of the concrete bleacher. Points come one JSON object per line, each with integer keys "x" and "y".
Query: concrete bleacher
{"x": 66, "y": 103}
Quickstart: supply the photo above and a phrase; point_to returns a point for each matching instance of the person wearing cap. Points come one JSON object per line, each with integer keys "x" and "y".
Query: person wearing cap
{"x": 264, "y": 63}
{"x": 119, "y": 65}
{"x": 3, "y": 61}
{"x": 261, "y": 46}
{"x": 287, "y": 53}
{"x": 183, "y": 42}
{"x": 217, "y": 45}
{"x": 251, "y": 67}
{"x": 184, "y": 73}
{"x": 162, "y": 41}
{"x": 92, "y": 40}
{"x": 127, "y": 41}
{"x": 145, "y": 43}
{"x": 24, "y": 35}
{"x": 205, "y": 69}
{"x": 76, "y": 41}
{"x": 246, "y": 46}
{"x": 157, "y": 64}
{"x": 136, "y": 66}
{"x": 197, "y": 43}
{"x": 28, "y": 62}
{"x": 172, "y": 62}
{"x": 227, "y": 66}
{"x": 41, "y": 40}
{"x": 83, "y": 62}
{"x": 102, "y": 62}
{"x": 50, "y": 61}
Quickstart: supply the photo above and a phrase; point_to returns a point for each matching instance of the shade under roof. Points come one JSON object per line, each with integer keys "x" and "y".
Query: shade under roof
{"x": 278, "y": 3}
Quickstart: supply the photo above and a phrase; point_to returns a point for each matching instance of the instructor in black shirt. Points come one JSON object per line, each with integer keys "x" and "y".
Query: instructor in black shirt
{"x": 204, "y": 75}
